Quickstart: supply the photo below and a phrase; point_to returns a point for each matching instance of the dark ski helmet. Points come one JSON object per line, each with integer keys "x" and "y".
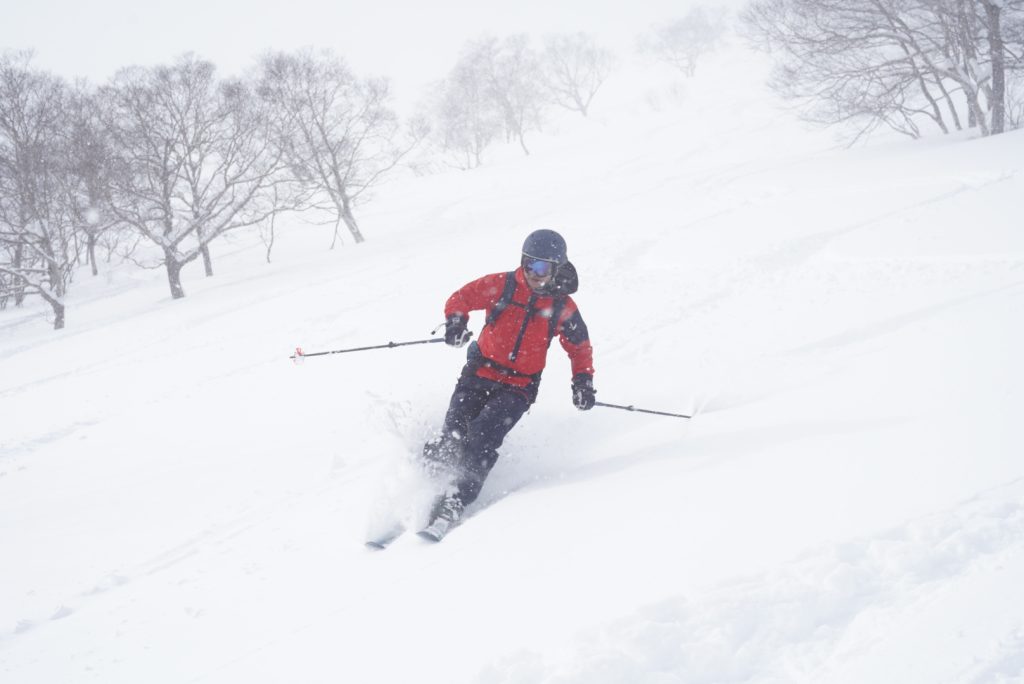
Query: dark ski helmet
{"x": 546, "y": 245}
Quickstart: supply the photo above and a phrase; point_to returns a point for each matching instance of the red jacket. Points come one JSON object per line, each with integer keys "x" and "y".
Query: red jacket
{"x": 498, "y": 340}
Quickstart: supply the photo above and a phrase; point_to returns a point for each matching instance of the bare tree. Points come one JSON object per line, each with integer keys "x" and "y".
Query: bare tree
{"x": 496, "y": 84}
{"x": 514, "y": 80}
{"x": 286, "y": 196}
{"x": 890, "y": 62}
{"x": 339, "y": 134}
{"x": 36, "y": 234}
{"x": 465, "y": 119}
{"x": 1003, "y": 22}
{"x": 681, "y": 43}
{"x": 90, "y": 172}
{"x": 836, "y": 64}
{"x": 194, "y": 159}
{"x": 947, "y": 34}
{"x": 996, "y": 44}
{"x": 575, "y": 68}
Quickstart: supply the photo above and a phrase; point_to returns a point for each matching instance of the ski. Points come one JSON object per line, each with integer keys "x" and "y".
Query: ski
{"x": 382, "y": 541}
{"x": 430, "y": 534}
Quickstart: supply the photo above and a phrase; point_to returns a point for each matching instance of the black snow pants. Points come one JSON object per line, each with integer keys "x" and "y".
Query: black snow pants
{"x": 479, "y": 416}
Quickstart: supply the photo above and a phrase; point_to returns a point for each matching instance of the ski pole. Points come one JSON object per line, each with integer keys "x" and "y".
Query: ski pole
{"x": 300, "y": 355}
{"x": 640, "y": 410}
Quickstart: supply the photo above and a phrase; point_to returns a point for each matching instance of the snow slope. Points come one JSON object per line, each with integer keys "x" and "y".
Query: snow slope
{"x": 181, "y": 503}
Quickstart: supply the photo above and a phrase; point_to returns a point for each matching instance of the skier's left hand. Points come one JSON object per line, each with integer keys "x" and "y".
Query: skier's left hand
{"x": 583, "y": 392}
{"x": 455, "y": 333}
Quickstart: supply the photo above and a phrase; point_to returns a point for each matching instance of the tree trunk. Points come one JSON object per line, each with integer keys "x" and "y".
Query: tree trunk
{"x": 204, "y": 245}
{"x": 78, "y": 246}
{"x": 19, "y": 287}
{"x": 949, "y": 103}
{"x": 58, "y": 315}
{"x": 56, "y": 276}
{"x": 350, "y": 221}
{"x": 998, "y": 58}
{"x": 207, "y": 261}
{"x": 968, "y": 75}
{"x": 522, "y": 143}
{"x": 337, "y": 224}
{"x": 57, "y": 304}
{"x": 91, "y": 249}
{"x": 174, "y": 274}
{"x": 977, "y": 115}
{"x": 923, "y": 85}
{"x": 585, "y": 109}
{"x": 270, "y": 242}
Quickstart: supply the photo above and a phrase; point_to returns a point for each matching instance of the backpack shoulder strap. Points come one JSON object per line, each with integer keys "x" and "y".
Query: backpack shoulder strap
{"x": 505, "y": 299}
{"x": 556, "y": 313}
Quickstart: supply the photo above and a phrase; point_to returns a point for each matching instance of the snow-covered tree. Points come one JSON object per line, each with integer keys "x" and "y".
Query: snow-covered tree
{"x": 515, "y": 84}
{"x": 575, "y": 67}
{"x": 465, "y": 119}
{"x": 681, "y": 43}
{"x": 894, "y": 62}
{"x": 496, "y": 84}
{"x": 194, "y": 158}
{"x": 37, "y": 246}
{"x": 339, "y": 133}
{"x": 90, "y": 172}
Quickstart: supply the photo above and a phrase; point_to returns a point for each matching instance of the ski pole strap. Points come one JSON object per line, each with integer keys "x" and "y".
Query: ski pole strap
{"x": 299, "y": 354}
{"x": 640, "y": 410}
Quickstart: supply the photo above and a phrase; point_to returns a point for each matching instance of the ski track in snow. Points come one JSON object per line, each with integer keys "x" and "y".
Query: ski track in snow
{"x": 808, "y": 620}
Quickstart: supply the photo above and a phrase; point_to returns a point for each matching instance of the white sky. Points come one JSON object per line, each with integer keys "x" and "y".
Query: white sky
{"x": 411, "y": 42}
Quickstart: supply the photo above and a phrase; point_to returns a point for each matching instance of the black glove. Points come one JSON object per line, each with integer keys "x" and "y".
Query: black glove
{"x": 455, "y": 333}
{"x": 583, "y": 391}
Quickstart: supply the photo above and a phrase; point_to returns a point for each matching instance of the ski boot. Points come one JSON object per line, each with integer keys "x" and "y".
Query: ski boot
{"x": 443, "y": 518}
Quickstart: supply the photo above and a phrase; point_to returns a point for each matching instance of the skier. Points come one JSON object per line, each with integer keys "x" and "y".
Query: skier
{"x": 526, "y": 309}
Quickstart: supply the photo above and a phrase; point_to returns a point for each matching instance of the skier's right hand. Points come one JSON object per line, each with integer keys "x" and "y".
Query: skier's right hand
{"x": 583, "y": 392}
{"x": 455, "y": 333}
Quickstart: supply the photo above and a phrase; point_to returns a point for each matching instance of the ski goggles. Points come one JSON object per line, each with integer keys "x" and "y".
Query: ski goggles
{"x": 538, "y": 267}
